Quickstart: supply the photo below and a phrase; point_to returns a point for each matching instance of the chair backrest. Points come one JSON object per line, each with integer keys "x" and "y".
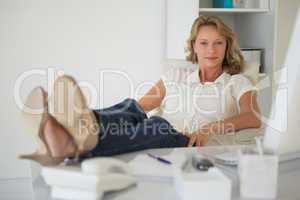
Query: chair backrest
{"x": 252, "y": 71}
{"x": 181, "y": 67}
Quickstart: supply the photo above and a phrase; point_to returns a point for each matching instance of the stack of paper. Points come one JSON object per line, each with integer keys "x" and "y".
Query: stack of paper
{"x": 75, "y": 194}
{"x": 147, "y": 167}
{"x": 69, "y": 182}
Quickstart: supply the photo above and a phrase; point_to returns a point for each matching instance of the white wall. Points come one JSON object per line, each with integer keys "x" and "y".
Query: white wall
{"x": 292, "y": 62}
{"x": 81, "y": 38}
{"x": 286, "y": 17}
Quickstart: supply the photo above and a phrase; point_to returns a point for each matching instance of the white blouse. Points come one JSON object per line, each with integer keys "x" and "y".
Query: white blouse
{"x": 189, "y": 104}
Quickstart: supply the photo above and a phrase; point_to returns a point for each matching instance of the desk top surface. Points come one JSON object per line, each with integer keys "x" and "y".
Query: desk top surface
{"x": 288, "y": 180}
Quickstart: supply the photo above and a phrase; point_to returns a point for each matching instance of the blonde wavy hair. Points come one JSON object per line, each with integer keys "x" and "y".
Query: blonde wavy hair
{"x": 233, "y": 62}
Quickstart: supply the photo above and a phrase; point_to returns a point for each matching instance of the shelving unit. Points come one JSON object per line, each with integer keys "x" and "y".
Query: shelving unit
{"x": 233, "y": 10}
{"x": 255, "y": 27}
{"x": 269, "y": 26}
{"x": 238, "y": 5}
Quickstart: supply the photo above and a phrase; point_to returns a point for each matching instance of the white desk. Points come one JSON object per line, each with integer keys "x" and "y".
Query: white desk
{"x": 288, "y": 185}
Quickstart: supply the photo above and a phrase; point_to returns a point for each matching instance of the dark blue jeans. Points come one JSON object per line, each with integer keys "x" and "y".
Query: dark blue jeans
{"x": 124, "y": 128}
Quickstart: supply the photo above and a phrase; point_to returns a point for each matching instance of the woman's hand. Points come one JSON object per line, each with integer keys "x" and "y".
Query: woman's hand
{"x": 197, "y": 138}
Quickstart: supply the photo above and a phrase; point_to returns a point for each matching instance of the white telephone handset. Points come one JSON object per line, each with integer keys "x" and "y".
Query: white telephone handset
{"x": 104, "y": 165}
{"x": 95, "y": 177}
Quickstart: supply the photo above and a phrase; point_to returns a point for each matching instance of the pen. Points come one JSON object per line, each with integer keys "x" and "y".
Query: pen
{"x": 159, "y": 159}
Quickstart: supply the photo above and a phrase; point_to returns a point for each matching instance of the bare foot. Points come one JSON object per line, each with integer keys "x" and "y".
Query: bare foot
{"x": 60, "y": 143}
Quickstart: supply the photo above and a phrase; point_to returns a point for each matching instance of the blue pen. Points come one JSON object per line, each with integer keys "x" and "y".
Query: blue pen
{"x": 159, "y": 159}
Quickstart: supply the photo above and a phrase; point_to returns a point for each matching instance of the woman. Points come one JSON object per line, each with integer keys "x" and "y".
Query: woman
{"x": 125, "y": 127}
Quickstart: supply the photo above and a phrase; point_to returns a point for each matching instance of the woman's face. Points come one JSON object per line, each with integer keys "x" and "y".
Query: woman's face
{"x": 210, "y": 47}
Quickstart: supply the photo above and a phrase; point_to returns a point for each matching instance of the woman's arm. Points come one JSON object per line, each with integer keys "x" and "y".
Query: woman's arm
{"x": 153, "y": 98}
{"x": 249, "y": 117}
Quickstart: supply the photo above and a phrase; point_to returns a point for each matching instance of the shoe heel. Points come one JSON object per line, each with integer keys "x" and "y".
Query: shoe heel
{"x": 33, "y": 111}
